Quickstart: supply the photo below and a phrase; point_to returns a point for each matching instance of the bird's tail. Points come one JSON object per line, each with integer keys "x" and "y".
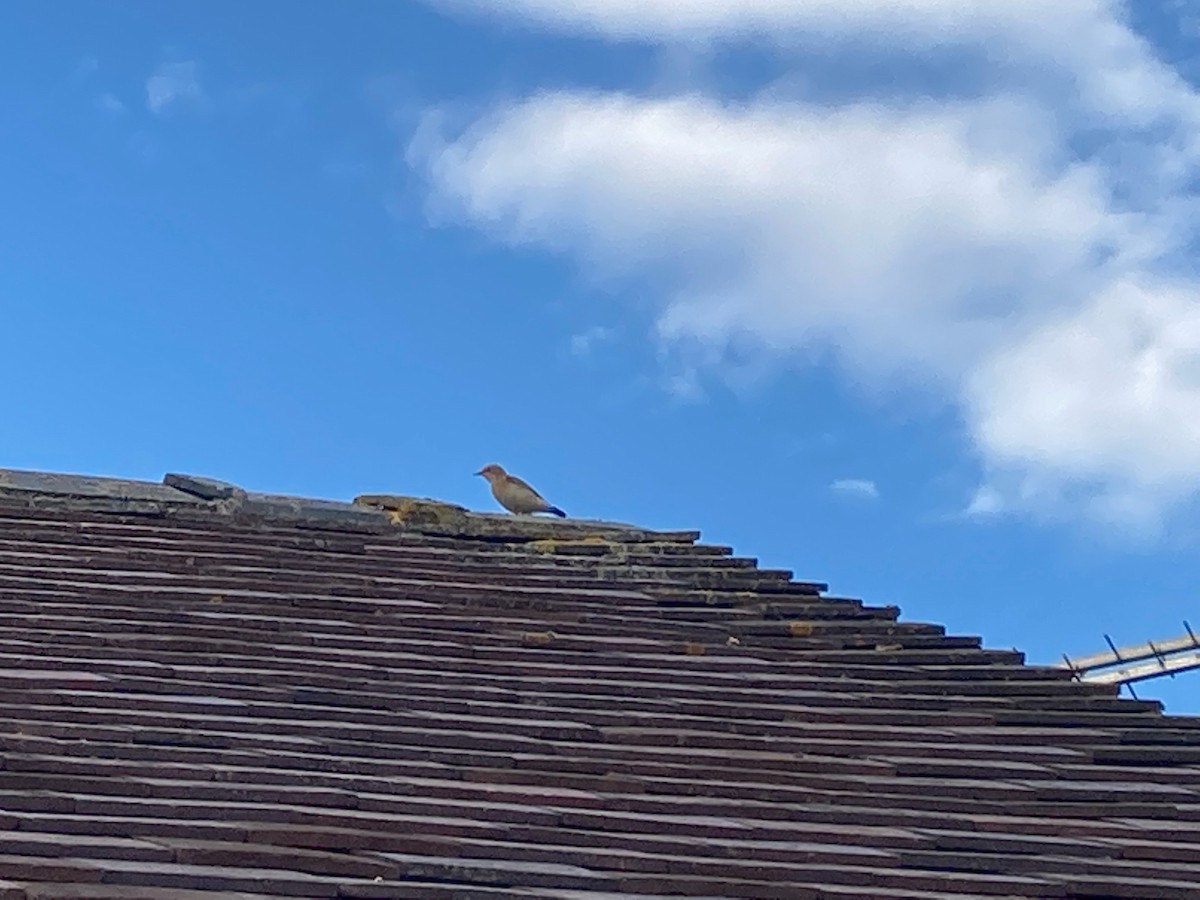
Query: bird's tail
{"x": 555, "y": 511}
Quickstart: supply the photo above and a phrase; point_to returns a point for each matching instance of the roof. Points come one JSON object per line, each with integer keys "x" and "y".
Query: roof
{"x": 212, "y": 692}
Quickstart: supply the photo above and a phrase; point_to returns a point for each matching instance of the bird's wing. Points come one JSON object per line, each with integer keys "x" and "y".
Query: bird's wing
{"x": 517, "y": 482}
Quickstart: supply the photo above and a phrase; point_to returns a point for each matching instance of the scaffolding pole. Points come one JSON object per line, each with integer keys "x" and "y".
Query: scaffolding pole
{"x": 1124, "y": 666}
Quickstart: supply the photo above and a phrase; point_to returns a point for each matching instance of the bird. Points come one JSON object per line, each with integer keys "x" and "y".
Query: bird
{"x": 515, "y": 495}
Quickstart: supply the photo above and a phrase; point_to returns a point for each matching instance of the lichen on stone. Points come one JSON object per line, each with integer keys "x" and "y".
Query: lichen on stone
{"x": 414, "y": 512}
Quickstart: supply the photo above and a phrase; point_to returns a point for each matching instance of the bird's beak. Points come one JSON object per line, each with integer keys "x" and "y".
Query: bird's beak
{"x": 480, "y": 472}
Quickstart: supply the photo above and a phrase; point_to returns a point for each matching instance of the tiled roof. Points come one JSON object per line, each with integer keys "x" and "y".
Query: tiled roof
{"x": 212, "y": 693}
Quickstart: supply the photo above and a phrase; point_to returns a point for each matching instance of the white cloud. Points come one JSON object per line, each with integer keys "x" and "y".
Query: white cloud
{"x": 963, "y": 243}
{"x": 986, "y": 502}
{"x": 889, "y": 232}
{"x": 1110, "y": 67}
{"x": 583, "y": 343}
{"x": 171, "y": 84}
{"x": 778, "y": 19}
{"x": 1108, "y": 394}
{"x": 110, "y": 104}
{"x": 859, "y": 488}
{"x": 684, "y": 385}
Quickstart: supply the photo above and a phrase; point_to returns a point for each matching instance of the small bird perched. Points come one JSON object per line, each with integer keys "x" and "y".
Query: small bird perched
{"x": 515, "y": 495}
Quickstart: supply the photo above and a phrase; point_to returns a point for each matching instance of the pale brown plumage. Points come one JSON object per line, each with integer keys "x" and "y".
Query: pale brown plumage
{"x": 514, "y": 494}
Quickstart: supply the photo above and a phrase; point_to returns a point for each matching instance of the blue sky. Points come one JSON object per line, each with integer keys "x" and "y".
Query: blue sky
{"x": 903, "y": 301}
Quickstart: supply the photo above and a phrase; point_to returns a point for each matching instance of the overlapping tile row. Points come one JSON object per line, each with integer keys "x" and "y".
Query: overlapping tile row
{"x": 200, "y": 704}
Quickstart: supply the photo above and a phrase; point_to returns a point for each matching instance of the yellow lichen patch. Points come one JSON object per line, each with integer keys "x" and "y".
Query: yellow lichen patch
{"x": 538, "y": 638}
{"x": 887, "y": 648}
{"x": 693, "y": 648}
{"x": 800, "y": 629}
{"x": 396, "y": 516}
{"x": 413, "y": 511}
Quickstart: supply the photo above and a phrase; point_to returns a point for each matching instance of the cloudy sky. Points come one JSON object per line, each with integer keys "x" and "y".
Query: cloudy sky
{"x": 900, "y": 295}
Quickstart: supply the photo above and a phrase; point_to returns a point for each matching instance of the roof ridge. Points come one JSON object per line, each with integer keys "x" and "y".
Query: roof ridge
{"x": 184, "y": 495}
